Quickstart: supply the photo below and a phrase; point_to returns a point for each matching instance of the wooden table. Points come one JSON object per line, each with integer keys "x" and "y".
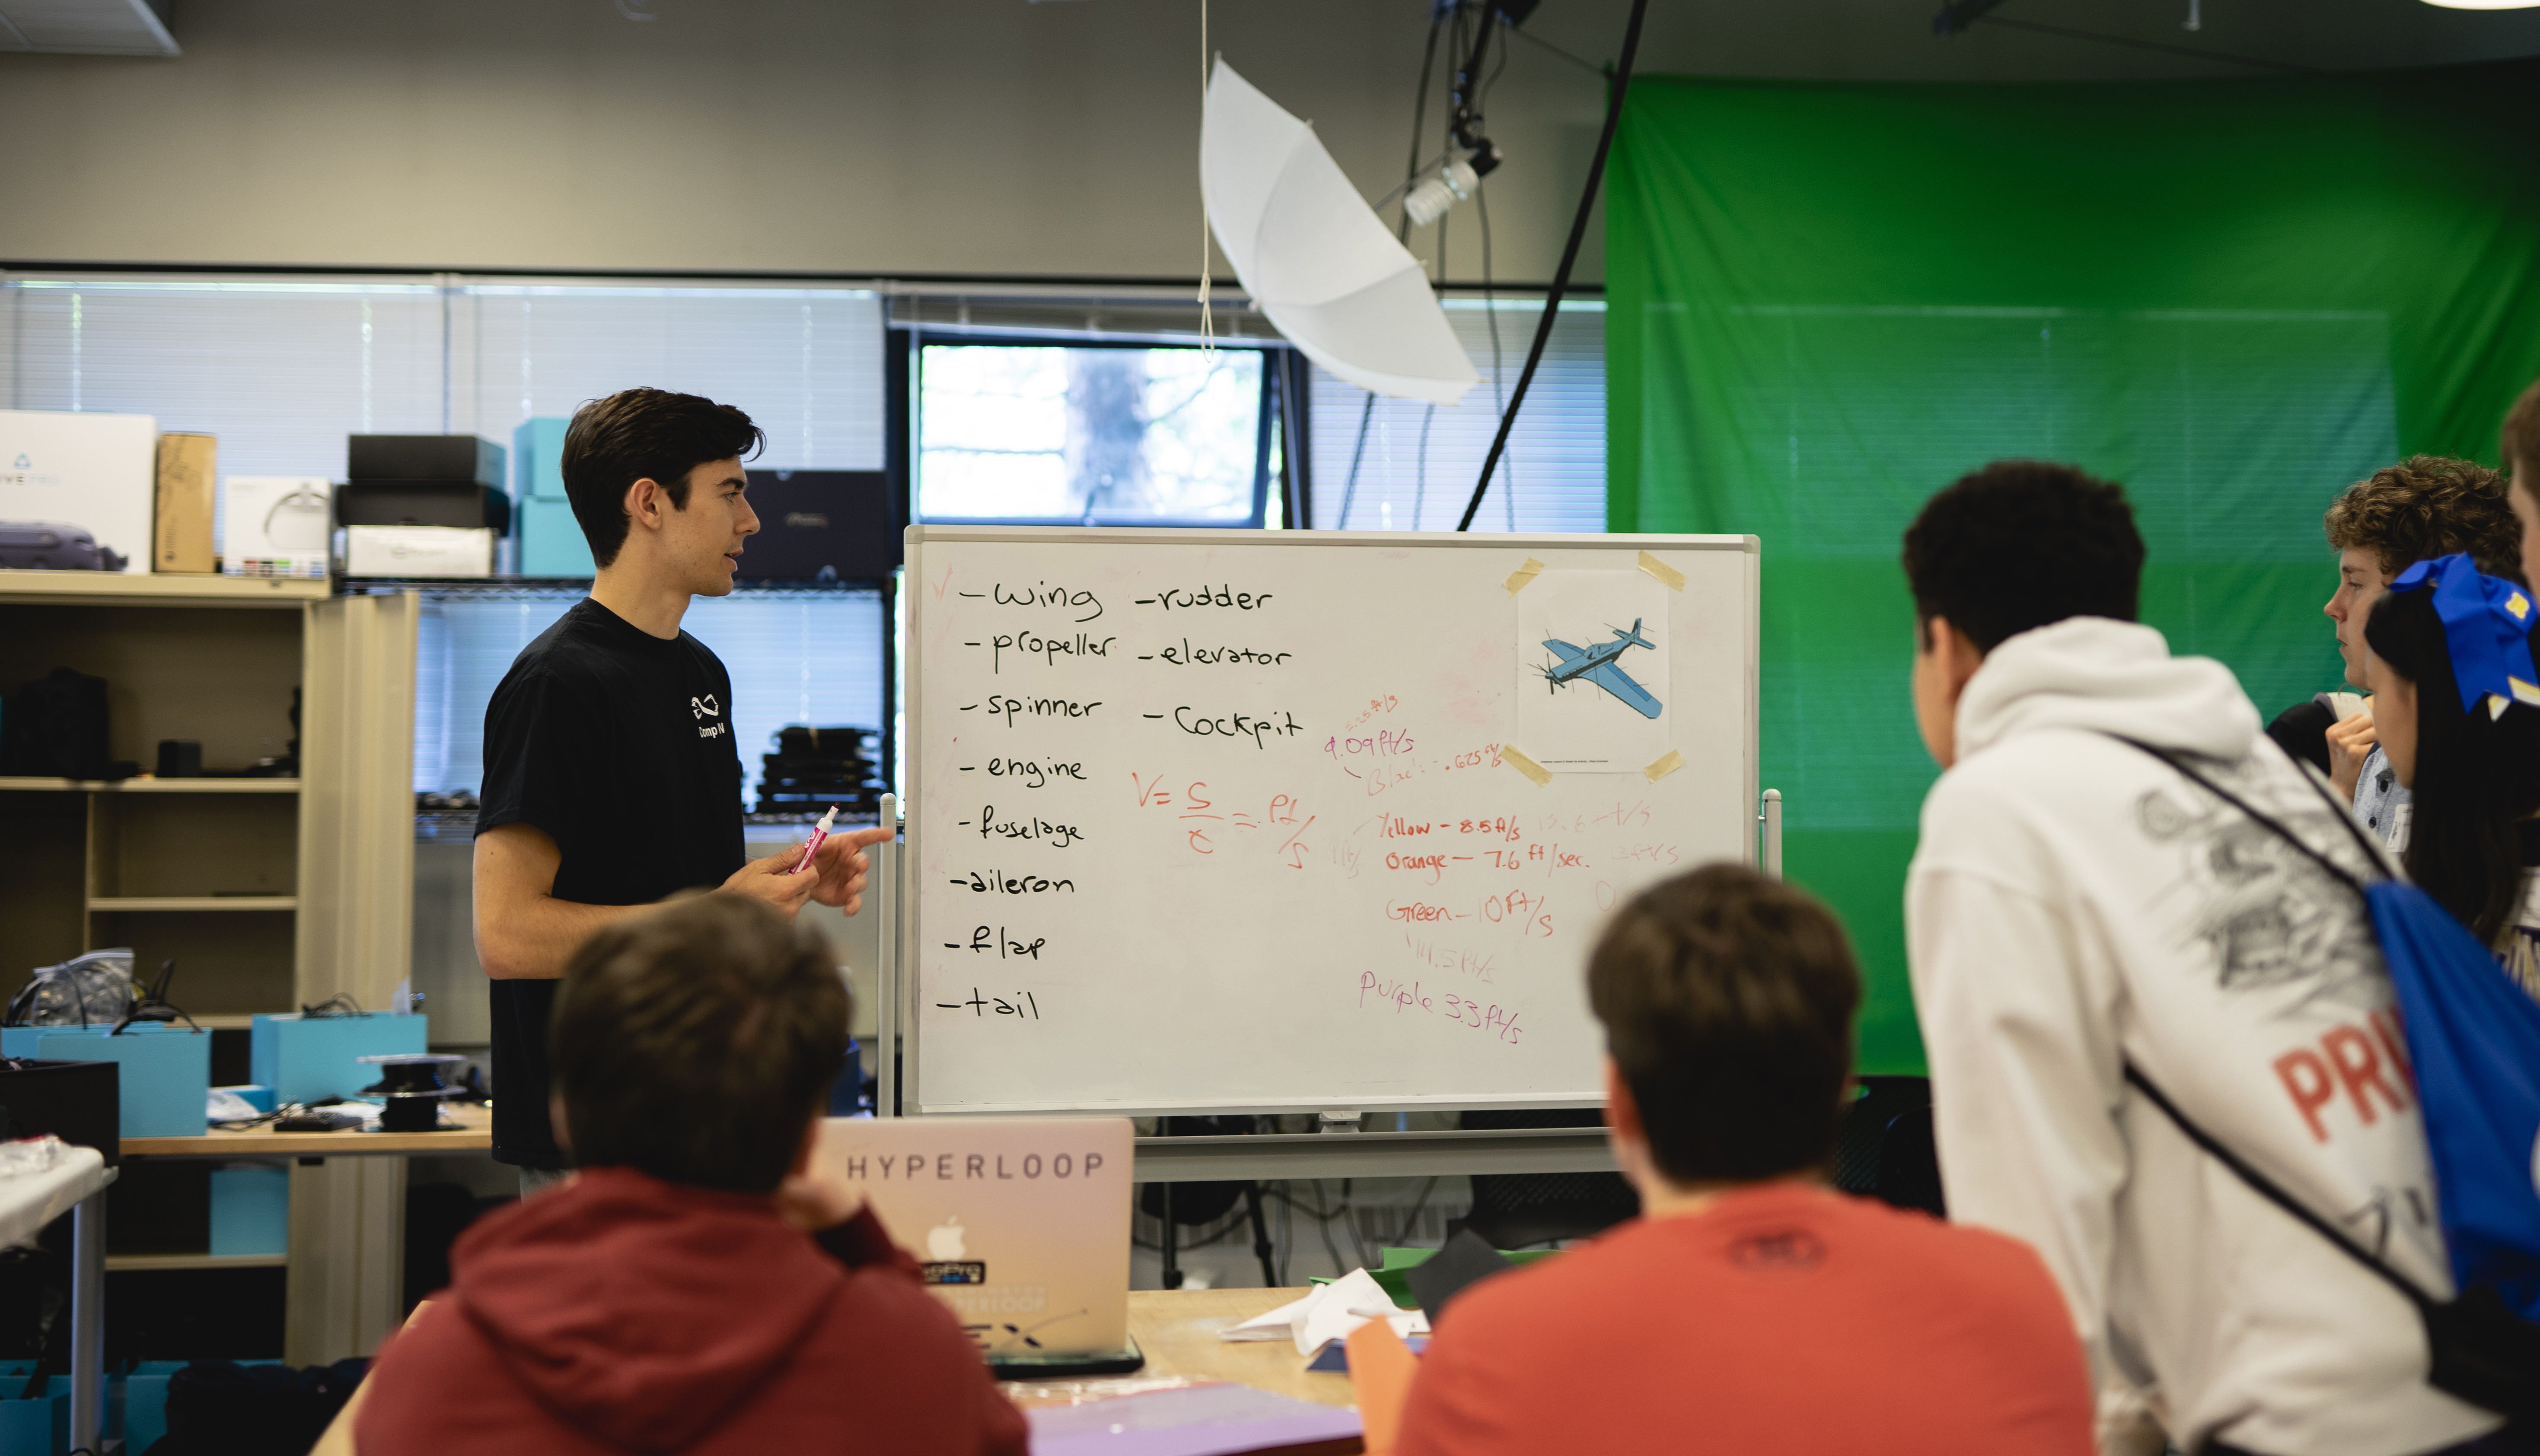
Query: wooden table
{"x": 474, "y": 1135}
{"x": 1177, "y": 1329}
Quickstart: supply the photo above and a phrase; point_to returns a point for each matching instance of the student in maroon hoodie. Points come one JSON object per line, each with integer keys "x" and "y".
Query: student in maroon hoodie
{"x": 670, "y": 1298}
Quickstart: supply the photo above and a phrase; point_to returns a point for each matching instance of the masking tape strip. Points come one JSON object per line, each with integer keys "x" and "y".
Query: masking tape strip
{"x": 1522, "y": 576}
{"x": 1664, "y": 766}
{"x": 1538, "y": 773}
{"x": 1663, "y": 572}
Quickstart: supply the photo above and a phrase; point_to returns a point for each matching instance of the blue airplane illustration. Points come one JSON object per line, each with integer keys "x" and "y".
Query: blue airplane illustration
{"x": 1596, "y": 665}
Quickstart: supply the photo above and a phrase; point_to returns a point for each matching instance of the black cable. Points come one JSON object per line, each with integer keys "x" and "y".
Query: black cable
{"x": 1357, "y": 451}
{"x": 1490, "y": 305}
{"x": 1581, "y": 62}
{"x": 1569, "y": 259}
{"x": 1420, "y": 468}
{"x": 1403, "y": 1239}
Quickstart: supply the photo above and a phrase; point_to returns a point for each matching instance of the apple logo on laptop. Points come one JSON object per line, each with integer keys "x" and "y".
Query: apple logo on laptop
{"x": 944, "y": 1242}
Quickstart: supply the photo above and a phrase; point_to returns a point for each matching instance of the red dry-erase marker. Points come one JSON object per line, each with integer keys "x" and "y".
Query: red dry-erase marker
{"x": 820, "y": 832}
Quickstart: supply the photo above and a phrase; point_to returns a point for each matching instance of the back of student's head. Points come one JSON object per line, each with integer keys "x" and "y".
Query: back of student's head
{"x": 1728, "y": 1003}
{"x": 2425, "y": 506}
{"x": 643, "y": 434}
{"x": 2477, "y": 774}
{"x": 2021, "y": 544}
{"x": 697, "y": 1042}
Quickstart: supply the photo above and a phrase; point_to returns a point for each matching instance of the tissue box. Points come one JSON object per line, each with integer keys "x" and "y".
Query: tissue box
{"x": 164, "y": 1072}
{"x": 250, "y": 1211}
{"x": 305, "y": 1057}
{"x": 418, "y": 551}
{"x": 77, "y": 489}
{"x": 276, "y": 526}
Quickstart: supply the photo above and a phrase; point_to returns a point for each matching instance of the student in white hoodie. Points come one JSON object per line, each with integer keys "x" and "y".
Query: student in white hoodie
{"x": 2076, "y": 906}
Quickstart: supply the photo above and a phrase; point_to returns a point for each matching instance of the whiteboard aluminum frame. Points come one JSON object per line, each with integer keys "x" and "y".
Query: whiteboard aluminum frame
{"x": 913, "y": 767}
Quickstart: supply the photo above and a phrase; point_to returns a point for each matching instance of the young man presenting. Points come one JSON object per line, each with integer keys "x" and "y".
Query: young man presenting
{"x": 670, "y": 1299}
{"x": 2079, "y": 908}
{"x": 611, "y": 780}
{"x": 1750, "y": 1308}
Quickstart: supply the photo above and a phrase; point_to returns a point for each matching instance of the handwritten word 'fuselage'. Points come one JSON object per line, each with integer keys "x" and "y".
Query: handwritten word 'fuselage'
{"x": 1048, "y": 648}
{"x": 1233, "y": 726}
{"x": 1056, "y": 836}
{"x": 1243, "y": 602}
{"x": 1006, "y": 708}
{"x": 1043, "y": 594}
{"x": 1188, "y": 656}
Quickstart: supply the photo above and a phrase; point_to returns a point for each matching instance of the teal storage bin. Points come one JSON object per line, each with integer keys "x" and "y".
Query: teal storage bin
{"x": 145, "y": 1404}
{"x": 537, "y": 459}
{"x": 37, "y": 1427}
{"x": 250, "y": 1211}
{"x": 551, "y": 541}
{"x": 306, "y": 1058}
{"x": 165, "y": 1075}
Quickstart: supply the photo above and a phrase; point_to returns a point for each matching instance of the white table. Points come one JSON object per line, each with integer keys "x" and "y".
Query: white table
{"x": 28, "y": 1203}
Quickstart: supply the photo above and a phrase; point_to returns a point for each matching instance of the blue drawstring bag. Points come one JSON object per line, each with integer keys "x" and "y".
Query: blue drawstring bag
{"x": 2474, "y": 1039}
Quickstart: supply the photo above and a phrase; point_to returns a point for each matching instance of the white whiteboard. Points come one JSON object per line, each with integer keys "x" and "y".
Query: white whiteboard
{"x": 1223, "y": 820}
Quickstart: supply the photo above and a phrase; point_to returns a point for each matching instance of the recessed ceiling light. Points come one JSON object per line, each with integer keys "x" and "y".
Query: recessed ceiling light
{"x": 2485, "y": 4}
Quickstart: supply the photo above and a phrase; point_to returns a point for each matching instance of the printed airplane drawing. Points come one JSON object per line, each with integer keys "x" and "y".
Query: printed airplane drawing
{"x": 1597, "y": 665}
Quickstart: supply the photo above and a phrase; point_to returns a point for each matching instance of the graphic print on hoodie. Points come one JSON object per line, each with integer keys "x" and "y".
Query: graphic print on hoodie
{"x": 2076, "y": 904}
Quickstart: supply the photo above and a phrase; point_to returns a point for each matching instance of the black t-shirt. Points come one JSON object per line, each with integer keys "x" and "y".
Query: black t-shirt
{"x": 618, "y": 744}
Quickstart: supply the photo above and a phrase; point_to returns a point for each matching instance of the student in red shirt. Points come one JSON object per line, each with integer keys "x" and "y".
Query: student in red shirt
{"x": 1750, "y": 1307}
{"x": 694, "y": 1289}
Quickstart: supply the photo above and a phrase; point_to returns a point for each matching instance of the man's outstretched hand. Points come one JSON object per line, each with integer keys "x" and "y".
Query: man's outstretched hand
{"x": 842, "y": 865}
{"x": 772, "y": 882}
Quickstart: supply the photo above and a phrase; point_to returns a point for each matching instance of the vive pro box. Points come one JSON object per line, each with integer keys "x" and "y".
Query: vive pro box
{"x": 822, "y": 525}
{"x": 77, "y": 491}
{"x": 450, "y": 460}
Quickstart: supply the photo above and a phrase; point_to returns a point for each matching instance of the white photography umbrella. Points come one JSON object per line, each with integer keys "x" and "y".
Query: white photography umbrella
{"x": 1313, "y": 255}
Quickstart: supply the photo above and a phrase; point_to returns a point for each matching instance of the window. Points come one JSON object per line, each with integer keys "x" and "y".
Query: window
{"x": 1401, "y": 464}
{"x": 796, "y": 655}
{"x": 1090, "y": 436}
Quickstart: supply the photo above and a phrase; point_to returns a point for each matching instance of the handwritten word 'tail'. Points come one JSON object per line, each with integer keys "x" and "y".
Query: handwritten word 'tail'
{"x": 1024, "y": 1005}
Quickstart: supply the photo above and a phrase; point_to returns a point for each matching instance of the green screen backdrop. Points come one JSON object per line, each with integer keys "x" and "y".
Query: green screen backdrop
{"x": 1826, "y": 301}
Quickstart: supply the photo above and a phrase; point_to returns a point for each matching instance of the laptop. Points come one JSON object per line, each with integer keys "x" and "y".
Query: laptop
{"x": 1020, "y": 1225}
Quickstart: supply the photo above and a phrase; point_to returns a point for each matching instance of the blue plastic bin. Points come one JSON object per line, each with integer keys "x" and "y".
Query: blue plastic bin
{"x": 165, "y": 1075}
{"x": 250, "y": 1211}
{"x": 306, "y": 1058}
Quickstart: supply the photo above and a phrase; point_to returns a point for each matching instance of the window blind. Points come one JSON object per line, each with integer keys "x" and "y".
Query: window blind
{"x": 795, "y": 657}
{"x": 1417, "y": 464}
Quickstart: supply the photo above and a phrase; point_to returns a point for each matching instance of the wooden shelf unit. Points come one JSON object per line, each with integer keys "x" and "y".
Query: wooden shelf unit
{"x": 167, "y": 588}
{"x": 153, "y": 1263}
{"x": 11, "y": 783}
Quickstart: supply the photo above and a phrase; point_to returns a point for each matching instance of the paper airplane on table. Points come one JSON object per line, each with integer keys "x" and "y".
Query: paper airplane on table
{"x": 1597, "y": 666}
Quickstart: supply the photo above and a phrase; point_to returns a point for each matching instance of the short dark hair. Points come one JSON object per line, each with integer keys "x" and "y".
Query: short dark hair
{"x": 1728, "y": 1003}
{"x": 2425, "y": 506}
{"x": 643, "y": 434}
{"x": 697, "y": 1042}
{"x": 2477, "y": 778}
{"x": 2021, "y": 545}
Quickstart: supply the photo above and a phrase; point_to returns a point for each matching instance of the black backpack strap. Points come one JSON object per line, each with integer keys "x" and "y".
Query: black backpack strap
{"x": 2266, "y": 1187}
{"x": 2339, "y": 871}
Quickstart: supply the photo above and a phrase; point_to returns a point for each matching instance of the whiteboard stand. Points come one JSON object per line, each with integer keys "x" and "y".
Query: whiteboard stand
{"x": 886, "y": 862}
{"x": 1772, "y": 821}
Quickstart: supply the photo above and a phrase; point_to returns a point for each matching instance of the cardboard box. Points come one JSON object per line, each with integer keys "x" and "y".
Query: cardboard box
{"x": 182, "y": 539}
{"x": 417, "y": 551}
{"x": 75, "y": 490}
{"x": 276, "y": 526}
